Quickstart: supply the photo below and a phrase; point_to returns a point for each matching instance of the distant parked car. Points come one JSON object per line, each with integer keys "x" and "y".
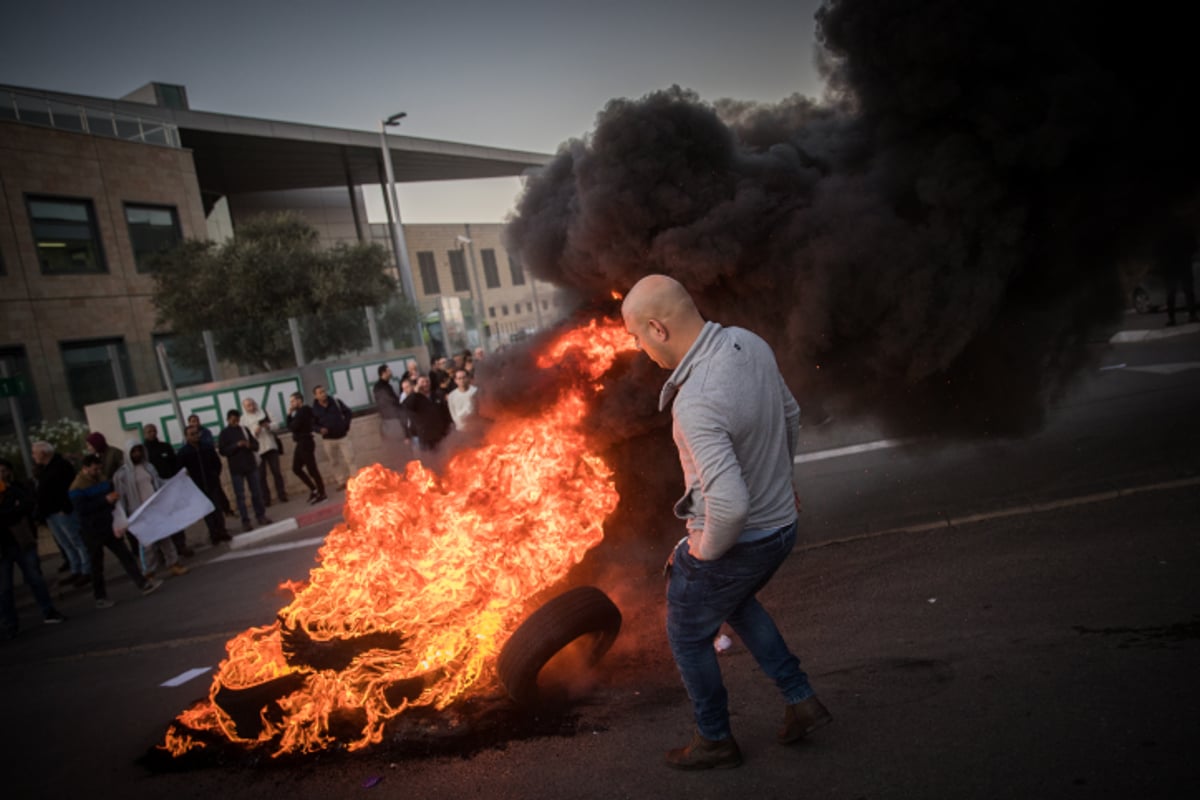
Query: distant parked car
{"x": 1150, "y": 291}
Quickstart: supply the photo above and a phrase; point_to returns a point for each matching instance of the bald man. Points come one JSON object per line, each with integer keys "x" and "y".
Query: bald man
{"x": 736, "y": 426}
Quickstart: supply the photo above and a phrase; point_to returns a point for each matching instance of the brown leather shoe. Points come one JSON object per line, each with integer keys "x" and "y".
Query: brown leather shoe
{"x": 801, "y": 719}
{"x": 701, "y": 753}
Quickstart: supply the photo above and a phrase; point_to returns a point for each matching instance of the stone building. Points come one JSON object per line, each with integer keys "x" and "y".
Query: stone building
{"x": 91, "y": 187}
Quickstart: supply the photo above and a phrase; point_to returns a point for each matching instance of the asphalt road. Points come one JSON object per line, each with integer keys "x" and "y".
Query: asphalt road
{"x": 1048, "y": 647}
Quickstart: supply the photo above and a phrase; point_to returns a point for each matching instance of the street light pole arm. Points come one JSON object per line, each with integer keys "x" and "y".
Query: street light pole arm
{"x": 398, "y": 243}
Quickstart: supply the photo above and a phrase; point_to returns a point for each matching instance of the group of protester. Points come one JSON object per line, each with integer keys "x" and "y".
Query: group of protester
{"x": 87, "y": 510}
{"x": 427, "y": 406}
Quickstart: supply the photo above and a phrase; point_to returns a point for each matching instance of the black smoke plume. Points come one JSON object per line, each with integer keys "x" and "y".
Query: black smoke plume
{"x": 934, "y": 241}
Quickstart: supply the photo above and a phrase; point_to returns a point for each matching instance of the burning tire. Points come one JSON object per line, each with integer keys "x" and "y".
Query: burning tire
{"x": 582, "y": 612}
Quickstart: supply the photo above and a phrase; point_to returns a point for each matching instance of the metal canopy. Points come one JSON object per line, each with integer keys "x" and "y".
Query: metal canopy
{"x": 243, "y": 154}
{"x": 229, "y": 162}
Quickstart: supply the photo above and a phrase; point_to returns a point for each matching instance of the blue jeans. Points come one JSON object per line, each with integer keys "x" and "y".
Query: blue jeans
{"x": 65, "y": 529}
{"x": 239, "y": 490}
{"x": 31, "y": 567}
{"x": 703, "y": 594}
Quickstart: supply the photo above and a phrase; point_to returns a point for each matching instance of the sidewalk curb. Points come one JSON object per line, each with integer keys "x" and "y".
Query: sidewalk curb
{"x": 262, "y": 534}
{"x": 1149, "y": 335}
{"x": 281, "y": 527}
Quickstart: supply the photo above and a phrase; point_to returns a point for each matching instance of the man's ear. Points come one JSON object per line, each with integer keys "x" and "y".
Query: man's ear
{"x": 658, "y": 329}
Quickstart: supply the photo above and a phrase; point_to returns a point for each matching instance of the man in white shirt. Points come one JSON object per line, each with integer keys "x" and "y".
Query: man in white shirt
{"x": 462, "y": 400}
{"x": 259, "y": 423}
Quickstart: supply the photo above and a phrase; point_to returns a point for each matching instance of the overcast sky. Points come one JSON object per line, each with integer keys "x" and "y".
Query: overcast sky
{"x": 524, "y": 74}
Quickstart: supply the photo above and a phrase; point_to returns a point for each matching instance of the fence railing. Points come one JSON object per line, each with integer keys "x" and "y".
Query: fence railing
{"x": 36, "y": 109}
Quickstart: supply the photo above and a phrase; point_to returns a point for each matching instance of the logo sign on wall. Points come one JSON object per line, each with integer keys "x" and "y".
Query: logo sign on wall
{"x": 354, "y": 385}
{"x": 210, "y": 407}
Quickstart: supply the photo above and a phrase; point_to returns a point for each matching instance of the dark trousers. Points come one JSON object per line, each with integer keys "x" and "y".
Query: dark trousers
{"x": 26, "y": 558}
{"x": 1181, "y": 282}
{"x": 96, "y": 543}
{"x": 240, "y": 482}
{"x": 304, "y": 459}
{"x": 215, "y": 520}
{"x": 270, "y": 461}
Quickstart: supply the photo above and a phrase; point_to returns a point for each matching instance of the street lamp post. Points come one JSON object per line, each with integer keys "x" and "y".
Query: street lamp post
{"x": 398, "y": 243}
{"x": 465, "y": 244}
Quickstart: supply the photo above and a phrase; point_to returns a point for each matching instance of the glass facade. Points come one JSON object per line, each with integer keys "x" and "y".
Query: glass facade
{"x": 518, "y": 272}
{"x": 152, "y": 230}
{"x": 491, "y": 273}
{"x": 97, "y": 371}
{"x": 65, "y": 232}
{"x": 458, "y": 271}
{"x": 16, "y": 365}
{"x": 182, "y": 354}
{"x": 429, "y": 276}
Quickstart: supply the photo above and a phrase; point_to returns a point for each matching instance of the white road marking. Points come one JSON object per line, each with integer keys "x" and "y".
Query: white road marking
{"x": 184, "y": 677}
{"x": 1166, "y": 369}
{"x": 866, "y": 447}
{"x": 1033, "y": 508}
{"x": 272, "y": 548}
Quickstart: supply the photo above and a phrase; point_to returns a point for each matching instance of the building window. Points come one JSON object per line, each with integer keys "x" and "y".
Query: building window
{"x": 186, "y": 358}
{"x": 518, "y": 272}
{"x": 458, "y": 271}
{"x": 171, "y": 95}
{"x": 97, "y": 371}
{"x": 545, "y": 306}
{"x": 504, "y": 310}
{"x": 68, "y": 241}
{"x": 152, "y": 230}
{"x": 492, "y": 312}
{"x": 429, "y": 278}
{"x": 491, "y": 273}
{"x": 16, "y": 365}
{"x": 529, "y": 307}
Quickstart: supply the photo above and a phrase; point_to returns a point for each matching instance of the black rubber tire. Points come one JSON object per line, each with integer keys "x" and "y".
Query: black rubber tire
{"x": 579, "y": 612}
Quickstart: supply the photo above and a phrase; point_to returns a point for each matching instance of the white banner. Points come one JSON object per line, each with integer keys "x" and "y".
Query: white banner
{"x": 177, "y": 504}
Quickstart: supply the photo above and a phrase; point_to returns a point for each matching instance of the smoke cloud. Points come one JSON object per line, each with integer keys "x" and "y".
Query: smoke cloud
{"x": 931, "y": 243}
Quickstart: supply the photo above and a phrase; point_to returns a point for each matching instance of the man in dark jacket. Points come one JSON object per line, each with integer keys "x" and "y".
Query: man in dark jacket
{"x": 393, "y": 422}
{"x": 431, "y": 420}
{"x": 204, "y": 468}
{"x": 387, "y": 402}
{"x": 53, "y": 475}
{"x": 18, "y": 545}
{"x": 332, "y": 419}
{"x": 111, "y": 458}
{"x": 93, "y": 497}
{"x": 238, "y": 445}
{"x": 304, "y": 459}
{"x": 221, "y": 500}
{"x": 160, "y": 454}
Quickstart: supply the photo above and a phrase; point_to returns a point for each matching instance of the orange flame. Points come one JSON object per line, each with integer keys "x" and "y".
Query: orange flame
{"x": 446, "y": 565}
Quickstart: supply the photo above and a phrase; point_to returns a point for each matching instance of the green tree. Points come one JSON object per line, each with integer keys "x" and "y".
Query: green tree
{"x": 245, "y": 290}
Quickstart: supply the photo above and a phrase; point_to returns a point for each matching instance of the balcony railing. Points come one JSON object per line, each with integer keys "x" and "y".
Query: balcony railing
{"x": 40, "y": 110}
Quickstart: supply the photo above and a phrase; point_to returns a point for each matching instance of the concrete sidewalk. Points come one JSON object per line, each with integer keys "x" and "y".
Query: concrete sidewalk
{"x": 285, "y": 517}
{"x": 292, "y": 515}
{"x": 1152, "y": 327}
